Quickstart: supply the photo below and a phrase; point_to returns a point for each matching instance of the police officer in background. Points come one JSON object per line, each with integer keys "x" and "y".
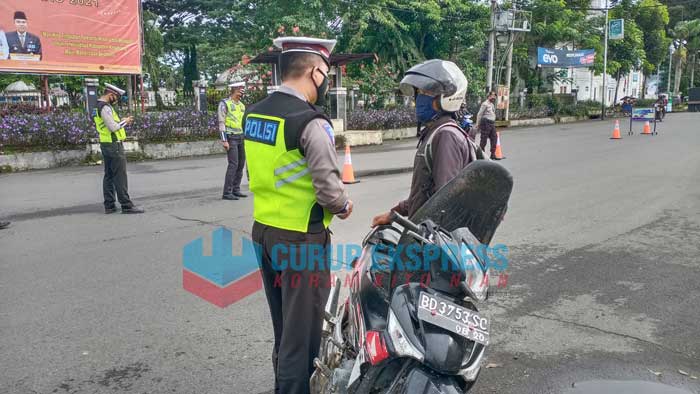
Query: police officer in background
{"x": 110, "y": 129}
{"x": 295, "y": 179}
{"x": 444, "y": 148}
{"x": 486, "y": 122}
{"x": 231, "y": 113}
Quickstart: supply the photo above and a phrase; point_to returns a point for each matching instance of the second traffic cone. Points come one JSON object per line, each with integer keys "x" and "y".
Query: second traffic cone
{"x": 647, "y": 128}
{"x": 499, "y": 152}
{"x": 616, "y": 131}
{"x": 348, "y": 172}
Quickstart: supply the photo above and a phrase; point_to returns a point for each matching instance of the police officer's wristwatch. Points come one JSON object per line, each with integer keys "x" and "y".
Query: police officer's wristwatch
{"x": 345, "y": 208}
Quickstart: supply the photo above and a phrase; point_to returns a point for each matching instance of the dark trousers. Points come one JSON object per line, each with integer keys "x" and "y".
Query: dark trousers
{"x": 296, "y": 297}
{"x": 488, "y": 132}
{"x": 236, "y": 162}
{"x": 115, "y": 175}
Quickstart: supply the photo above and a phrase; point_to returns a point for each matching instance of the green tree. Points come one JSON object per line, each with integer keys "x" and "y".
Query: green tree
{"x": 628, "y": 53}
{"x": 688, "y": 31}
{"x": 153, "y": 51}
{"x": 652, "y": 18}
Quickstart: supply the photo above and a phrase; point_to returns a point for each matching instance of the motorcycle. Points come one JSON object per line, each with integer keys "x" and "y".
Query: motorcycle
{"x": 416, "y": 329}
{"x": 467, "y": 124}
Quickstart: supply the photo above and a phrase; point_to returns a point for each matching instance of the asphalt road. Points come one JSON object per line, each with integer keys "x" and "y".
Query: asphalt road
{"x": 603, "y": 277}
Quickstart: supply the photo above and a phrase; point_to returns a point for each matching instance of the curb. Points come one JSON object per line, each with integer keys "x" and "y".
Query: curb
{"x": 380, "y": 172}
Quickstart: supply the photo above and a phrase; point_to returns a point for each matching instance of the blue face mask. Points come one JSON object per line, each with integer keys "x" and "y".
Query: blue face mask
{"x": 424, "y": 108}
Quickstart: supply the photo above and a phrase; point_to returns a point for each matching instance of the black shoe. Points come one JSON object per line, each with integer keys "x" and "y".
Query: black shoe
{"x": 239, "y": 194}
{"x": 229, "y": 197}
{"x": 493, "y": 157}
{"x": 133, "y": 210}
{"x": 110, "y": 210}
{"x": 4, "y": 225}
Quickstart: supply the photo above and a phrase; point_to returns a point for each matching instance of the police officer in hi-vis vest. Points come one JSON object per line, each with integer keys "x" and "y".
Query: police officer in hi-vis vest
{"x": 112, "y": 134}
{"x": 296, "y": 183}
{"x": 231, "y": 113}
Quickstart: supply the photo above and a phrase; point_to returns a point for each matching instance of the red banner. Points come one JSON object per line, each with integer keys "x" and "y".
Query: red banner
{"x": 70, "y": 36}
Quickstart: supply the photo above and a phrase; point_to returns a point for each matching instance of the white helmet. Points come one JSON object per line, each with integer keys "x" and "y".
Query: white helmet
{"x": 437, "y": 78}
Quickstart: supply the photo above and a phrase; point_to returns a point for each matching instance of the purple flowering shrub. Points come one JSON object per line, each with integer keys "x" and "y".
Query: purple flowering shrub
{"x": 72, "y": 130}
{"x": 57, "y": 130}
{"x": 381, "y": 119}
{"x": 178, "y": 125}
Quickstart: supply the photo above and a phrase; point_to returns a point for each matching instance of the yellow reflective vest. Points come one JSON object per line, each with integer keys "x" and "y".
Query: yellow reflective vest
{"x": 234, "y": 116}
{"x": 280, "y": 178}
{"x": 102, "y": 130}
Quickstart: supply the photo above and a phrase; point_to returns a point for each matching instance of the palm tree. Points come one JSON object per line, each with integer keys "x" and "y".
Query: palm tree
{"x": 688, "y": 34}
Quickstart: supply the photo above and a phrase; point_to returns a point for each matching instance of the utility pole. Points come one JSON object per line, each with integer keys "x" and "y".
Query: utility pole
{"x": 605, "y": 63}
{"x": 509, "y": 66}
{"x": 670, "y": 65}
{"x": 492, "y": 48}
{"x": 509, "y": 72}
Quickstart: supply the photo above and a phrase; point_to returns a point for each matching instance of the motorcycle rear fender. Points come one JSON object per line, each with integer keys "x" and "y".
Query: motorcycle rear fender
{"x": 421, "y": 380}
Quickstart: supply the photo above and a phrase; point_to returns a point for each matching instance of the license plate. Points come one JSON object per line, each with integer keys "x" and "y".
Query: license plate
{"x": 454, "y": 318}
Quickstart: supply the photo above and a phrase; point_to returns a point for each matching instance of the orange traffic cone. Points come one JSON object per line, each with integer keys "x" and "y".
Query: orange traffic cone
{"x": 647, "y": 128}
{"x": 498, "y": 153}
{"x": 348, "y": 172}
{"x": 616, "y": 131}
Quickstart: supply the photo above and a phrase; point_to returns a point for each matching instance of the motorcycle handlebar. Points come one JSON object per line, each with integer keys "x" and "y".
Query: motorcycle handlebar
{"x": 405, "y": 222}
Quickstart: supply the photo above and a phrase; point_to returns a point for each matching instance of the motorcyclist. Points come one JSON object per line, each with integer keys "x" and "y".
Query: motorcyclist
{"x": 444, "y": 149}
{"x": 660, "y": 106}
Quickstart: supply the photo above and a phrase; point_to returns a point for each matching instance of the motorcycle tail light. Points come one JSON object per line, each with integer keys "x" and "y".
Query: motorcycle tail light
{"x": 376, "y": 348}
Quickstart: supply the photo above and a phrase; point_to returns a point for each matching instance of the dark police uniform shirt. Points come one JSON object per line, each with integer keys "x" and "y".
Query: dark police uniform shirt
{"x": 32, "y": 43}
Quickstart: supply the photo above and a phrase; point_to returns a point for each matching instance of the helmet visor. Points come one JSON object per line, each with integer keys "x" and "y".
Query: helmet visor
{"x": 434, "y": 77}
{"x": 412, "y": 82}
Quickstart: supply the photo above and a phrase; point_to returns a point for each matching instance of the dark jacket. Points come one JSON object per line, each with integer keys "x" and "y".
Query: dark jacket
{"x": 450, "y": 153}
{"x": 32, "y": 43}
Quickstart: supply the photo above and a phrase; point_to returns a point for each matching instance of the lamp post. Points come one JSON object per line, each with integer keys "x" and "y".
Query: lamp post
{"x": 605, "y": 62}
{"x": 692, "y": 69}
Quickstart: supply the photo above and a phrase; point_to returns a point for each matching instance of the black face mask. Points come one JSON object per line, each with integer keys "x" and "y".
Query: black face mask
{"x": 321, "y": 90}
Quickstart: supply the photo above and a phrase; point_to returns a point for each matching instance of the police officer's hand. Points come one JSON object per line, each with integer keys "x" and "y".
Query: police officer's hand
{"x": 129, "y": 120}
{"x": 379, "y": 220}
{"x": 347, "y": 212}
{"x": 225, "y": 145}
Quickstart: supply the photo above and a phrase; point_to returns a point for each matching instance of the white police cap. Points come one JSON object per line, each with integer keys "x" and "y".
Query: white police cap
{"x": 319, "y": 46}
{"x": 109, "y": 88}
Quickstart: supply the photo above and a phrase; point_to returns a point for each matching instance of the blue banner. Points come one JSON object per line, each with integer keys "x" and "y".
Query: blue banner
{"x": 564, "y": 58}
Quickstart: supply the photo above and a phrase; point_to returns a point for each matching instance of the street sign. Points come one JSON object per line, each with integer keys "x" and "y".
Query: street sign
{"x": 643, "y": 114}
{"x": 617, "y": 29}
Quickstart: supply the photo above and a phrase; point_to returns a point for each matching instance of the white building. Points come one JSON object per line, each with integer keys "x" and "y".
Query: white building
{"x": 20, "y": 92}
{"x": 590, "y": 86}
